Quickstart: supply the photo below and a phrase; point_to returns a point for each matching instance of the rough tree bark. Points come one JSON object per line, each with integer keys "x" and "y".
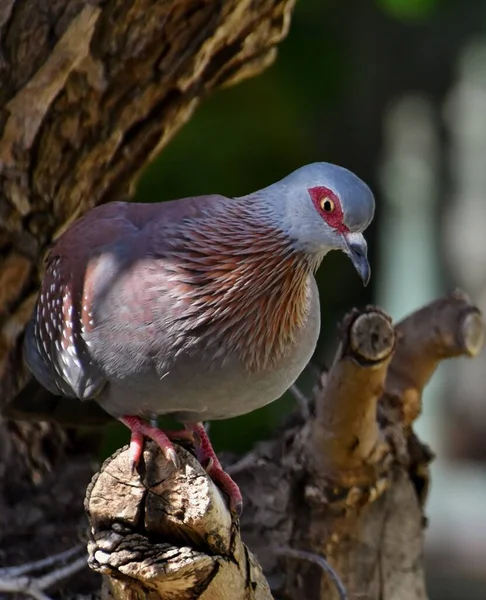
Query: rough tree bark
{"x": 347, "y": 484}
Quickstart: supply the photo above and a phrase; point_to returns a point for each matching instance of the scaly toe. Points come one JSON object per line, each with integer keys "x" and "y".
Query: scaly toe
{"x": 229, "y": 487}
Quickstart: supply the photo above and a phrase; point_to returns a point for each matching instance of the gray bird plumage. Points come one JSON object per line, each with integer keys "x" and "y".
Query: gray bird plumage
{"x": 204, "y": 308}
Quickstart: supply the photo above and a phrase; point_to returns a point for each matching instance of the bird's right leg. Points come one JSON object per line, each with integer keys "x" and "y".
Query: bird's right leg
{"x": 207, "y": 457}
{"x": 141, "y": 429}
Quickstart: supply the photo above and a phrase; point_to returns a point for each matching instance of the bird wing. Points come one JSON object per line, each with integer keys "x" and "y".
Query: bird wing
{"x": 54, "y": 346}
{"x": 92, "y": 302}
{"x": 134, "y": 289}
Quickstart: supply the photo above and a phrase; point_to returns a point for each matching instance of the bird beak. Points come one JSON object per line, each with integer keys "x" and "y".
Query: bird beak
{"x": 356, "y": 249}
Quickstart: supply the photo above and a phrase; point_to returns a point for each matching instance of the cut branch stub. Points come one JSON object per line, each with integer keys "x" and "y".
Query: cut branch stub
{"x": 446, "y": 328}
{"x": 166, "y": 533}
{"x": 345, "y": 434}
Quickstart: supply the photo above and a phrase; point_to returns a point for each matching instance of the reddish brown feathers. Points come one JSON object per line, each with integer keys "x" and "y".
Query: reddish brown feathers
{"x": 243, "y": 283}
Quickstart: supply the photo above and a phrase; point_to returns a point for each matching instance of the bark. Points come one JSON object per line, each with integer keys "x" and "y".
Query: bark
{"x": 348, "y": 484}
{"x": 164, "y": 533}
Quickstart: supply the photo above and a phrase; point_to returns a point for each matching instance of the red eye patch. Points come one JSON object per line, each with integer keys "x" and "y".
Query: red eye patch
{"x": 333, "y": 218}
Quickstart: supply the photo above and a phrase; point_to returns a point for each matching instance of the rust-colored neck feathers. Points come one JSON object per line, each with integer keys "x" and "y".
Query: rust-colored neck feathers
{"x": 244, "y": 286}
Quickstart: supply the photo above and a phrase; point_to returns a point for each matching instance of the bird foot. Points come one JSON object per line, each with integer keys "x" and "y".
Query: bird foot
{"x": 141, "y": 429}
{"x": 196, "y": 434}
{"x": 207, "y": 457}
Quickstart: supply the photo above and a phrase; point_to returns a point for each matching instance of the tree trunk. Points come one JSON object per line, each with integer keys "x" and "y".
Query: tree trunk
{"x": 347, "y": 484}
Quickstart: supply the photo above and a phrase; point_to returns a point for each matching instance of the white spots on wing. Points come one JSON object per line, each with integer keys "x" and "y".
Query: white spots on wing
{"x": 61, "y": 316}
{"x": 57, "y": 369}
{"x": 87, "y": 319}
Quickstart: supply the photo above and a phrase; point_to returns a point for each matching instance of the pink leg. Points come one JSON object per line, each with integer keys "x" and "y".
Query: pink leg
{"x": 141, "y": 429}
{"x": 207, "y": 457}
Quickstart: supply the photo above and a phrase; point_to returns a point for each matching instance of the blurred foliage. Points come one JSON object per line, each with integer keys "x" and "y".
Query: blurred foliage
{"x": 250, "y": 135}
{"x": 409, "y": 9}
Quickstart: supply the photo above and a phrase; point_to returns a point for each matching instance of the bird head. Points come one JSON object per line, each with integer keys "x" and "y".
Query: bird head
{"x": 324, "y": 207}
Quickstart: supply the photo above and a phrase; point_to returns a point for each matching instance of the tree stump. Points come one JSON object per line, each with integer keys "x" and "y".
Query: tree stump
{"x": 348, "y": 485}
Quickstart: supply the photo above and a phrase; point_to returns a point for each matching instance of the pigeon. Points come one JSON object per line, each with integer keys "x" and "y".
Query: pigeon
{"x": 202, "y": 308}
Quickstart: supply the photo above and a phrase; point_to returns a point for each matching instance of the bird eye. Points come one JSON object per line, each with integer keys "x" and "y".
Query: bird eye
{"x": 327, "y": 204}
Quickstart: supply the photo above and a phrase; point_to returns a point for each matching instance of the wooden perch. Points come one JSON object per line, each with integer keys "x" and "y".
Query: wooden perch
{"x": 364, "y": 502}
{"x": 443, "y": 329}
{"x": 167, "y": 533}
{"x": 344, "y": 434}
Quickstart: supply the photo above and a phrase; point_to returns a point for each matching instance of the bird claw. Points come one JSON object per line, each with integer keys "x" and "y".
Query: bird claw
{"x": 171, "y": 456}
{"x": 141, "y": 429}
{"x": 209, "y": 464}
{"x": 236, "y": 508}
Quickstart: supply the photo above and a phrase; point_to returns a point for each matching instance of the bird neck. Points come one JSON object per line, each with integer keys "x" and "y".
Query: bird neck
{"x": 249, "y": 287}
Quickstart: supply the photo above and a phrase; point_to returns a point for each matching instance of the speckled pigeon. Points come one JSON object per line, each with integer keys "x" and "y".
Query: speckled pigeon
{"x": 202, "y": 308}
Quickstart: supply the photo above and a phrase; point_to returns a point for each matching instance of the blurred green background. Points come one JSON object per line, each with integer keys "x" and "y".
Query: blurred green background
{"x": 394, "y": 90}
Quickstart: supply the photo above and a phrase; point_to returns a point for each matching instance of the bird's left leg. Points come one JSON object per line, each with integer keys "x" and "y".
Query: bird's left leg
{"x": 207, "y": 457}
{"x": 141, "y": 429}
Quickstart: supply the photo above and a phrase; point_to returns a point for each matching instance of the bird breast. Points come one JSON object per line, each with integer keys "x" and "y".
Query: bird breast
{"x": 202, "y": 383}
